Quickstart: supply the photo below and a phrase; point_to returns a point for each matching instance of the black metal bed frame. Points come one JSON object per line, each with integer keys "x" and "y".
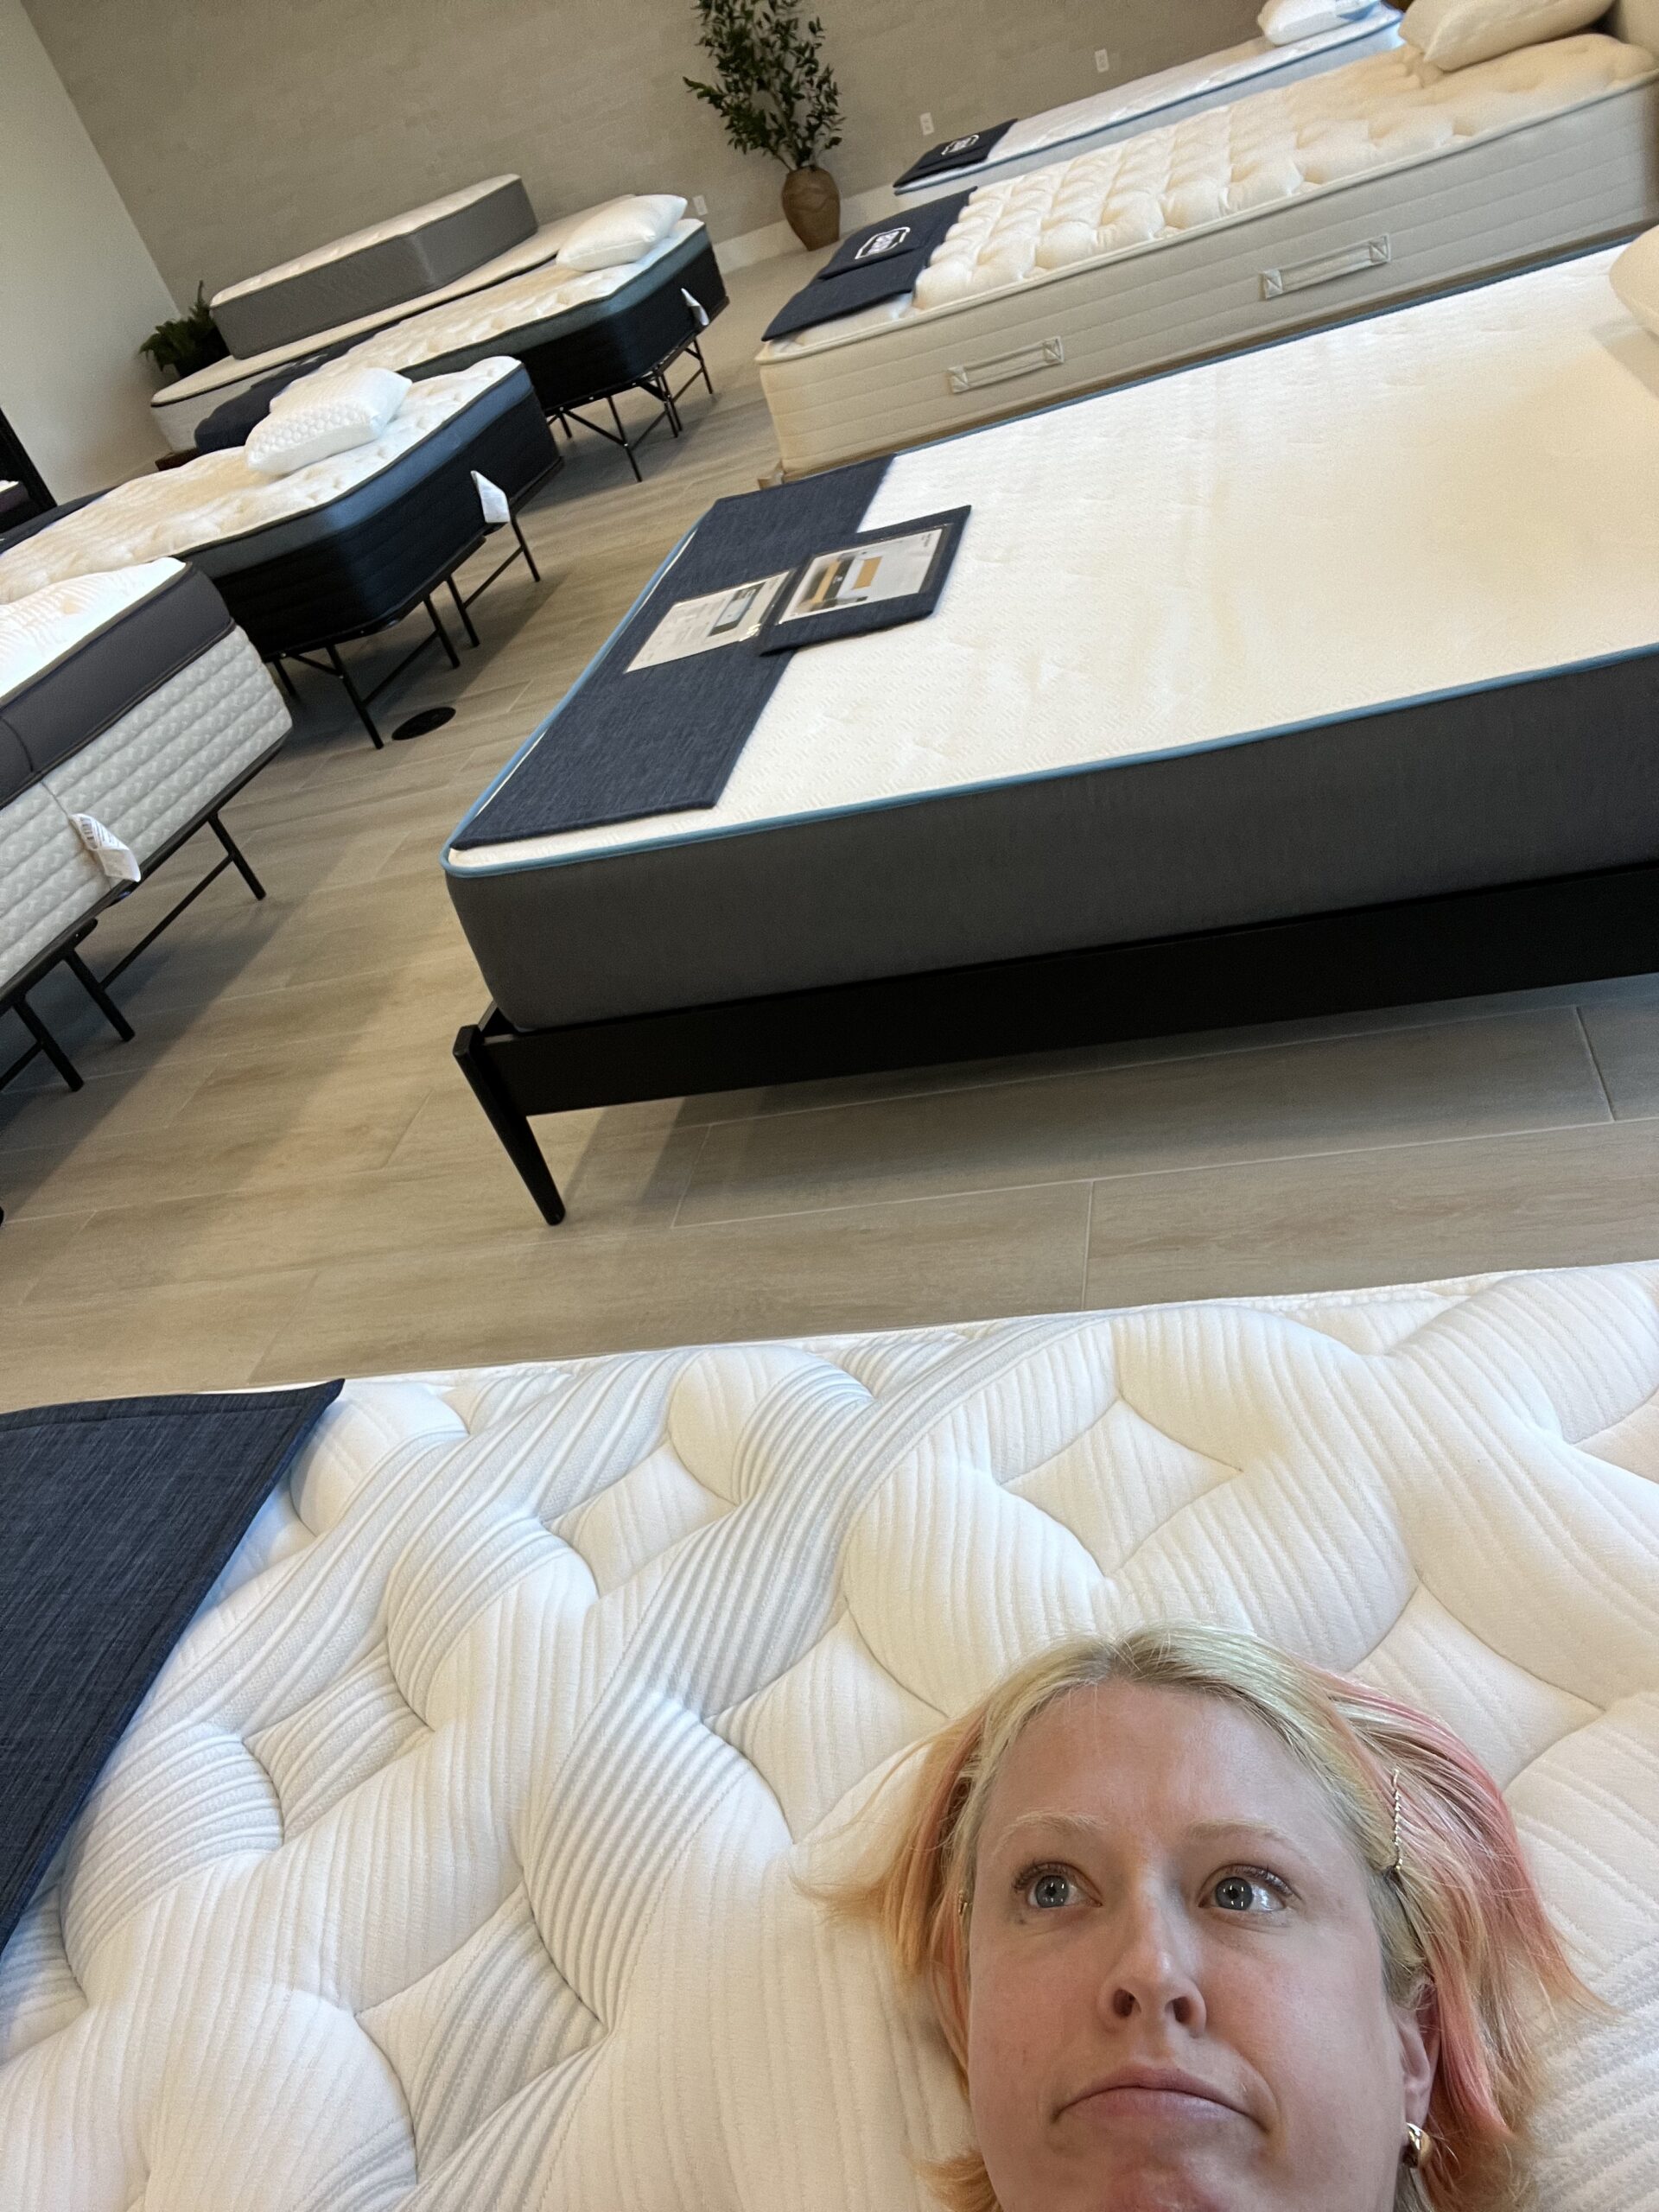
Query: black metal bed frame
{"x": 1562, "y": 930}
{"x": 65, "y": 951}
{"x": 654, "y": 382}
{"x": 422, "y": 596}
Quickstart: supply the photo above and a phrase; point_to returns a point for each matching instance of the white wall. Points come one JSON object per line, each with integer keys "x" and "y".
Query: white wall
{"x": 77, "y": 288}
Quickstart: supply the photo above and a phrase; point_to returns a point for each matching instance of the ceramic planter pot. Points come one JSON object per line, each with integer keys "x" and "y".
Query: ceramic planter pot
{"x": 812, "y": 206}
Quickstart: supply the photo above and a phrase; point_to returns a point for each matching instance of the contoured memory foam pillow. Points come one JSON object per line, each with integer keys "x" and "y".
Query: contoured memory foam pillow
{"x": 1284, "y": 21}
{"x": 1455, "y": 34}
{"x": 621, "y": 230}
{"x": 318, "y": 415}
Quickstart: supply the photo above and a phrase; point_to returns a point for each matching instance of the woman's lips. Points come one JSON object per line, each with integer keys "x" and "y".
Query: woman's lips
{"x": 1165, "y": 2096}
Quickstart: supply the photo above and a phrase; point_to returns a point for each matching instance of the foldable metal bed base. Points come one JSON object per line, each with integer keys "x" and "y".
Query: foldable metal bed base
{"x": 65, "y": 951}
{"x": 1515, "y": 937}
{"x": 655, "y": 382}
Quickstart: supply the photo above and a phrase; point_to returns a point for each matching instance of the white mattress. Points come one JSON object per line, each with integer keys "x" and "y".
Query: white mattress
{"x": 218, "y": 496}
{"x": 394, "y": 227}
{"x": 151, "y": 771}
{"x": 482, "y": 317}
{"x": 1143, "y": 104}
{"x": 36, "y": 630}
{"x": 1390, "y": 111}
{"x": 181, "y": 405}
{"x": 453, "y": 1861}
{"x": 1190, "y": 561}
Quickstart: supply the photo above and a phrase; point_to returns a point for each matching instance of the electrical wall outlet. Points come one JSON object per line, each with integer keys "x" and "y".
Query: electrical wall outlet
{"x": 1102, "y": 62}
{"x": 927, "y": 125}
{"x": 700, "y": 203}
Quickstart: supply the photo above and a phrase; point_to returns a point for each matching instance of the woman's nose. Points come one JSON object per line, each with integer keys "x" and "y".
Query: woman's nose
{"x": 1149, "y": 1972}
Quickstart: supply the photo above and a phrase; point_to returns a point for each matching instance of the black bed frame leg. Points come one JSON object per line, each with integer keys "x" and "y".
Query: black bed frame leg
{"x": 444, "y": 638}
{"x": 460, "y": 609}
{"x": 510, "y": 1124}
{"x": 99, "y": 997}
{"x": 280, "y": 671}
{"x": 622, "y": 437}
{"x": 236, "y": 857}
{"x": 354, "y": 696}
{"x": 54, "y": 1052}
{"x": 524, "y": 546}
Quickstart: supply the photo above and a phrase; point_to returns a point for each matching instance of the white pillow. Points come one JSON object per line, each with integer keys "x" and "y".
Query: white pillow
{"x": 621, "y": 230}
{"x": 1284, "y": 21}
{"x": 1452, "y": 34}
{"x": 328, "y": 413}
{"x": 1634, "y": 277}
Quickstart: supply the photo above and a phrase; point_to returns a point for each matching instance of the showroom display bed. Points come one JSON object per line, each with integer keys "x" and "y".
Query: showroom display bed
{"x": 132, "y": 699}
{"x": 339, "y": 549}
{"x": 455, "y": 1857}
{"x": 1165, "y": 96}
{"x": 1378, "y": 182}
{"x": 1312, "y": 678}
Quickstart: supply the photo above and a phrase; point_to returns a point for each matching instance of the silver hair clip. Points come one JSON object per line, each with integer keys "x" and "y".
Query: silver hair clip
{"x": 1397, "y": 1864}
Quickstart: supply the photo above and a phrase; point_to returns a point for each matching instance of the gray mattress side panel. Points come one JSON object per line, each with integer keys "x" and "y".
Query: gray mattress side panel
{"x": 670, "y": 271}
{"x": 48, "y": 880}
{"x": 1521, "y": 782}
{"x": 227, "y": 556}
{"x": 382, "y": 275}
{"x": 1558, "y": 185}
{"x": 72, "y": 701}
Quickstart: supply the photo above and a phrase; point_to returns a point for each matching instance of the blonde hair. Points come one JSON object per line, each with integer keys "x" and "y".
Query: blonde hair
{"x": 1462, "y": 1930}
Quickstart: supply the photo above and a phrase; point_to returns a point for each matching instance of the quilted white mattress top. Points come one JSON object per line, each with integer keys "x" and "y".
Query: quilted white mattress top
{"x": 218, "y": 495}
{"x": 1181, "y": 562}
{"x": 40, "y": 629}
{"x": 452, "y": 1861}
{"x": 484, "y": 316}
{"x": 337, "y": 249}
{"x": 1234, "y": 68}
{"x": 1225, "y": 164}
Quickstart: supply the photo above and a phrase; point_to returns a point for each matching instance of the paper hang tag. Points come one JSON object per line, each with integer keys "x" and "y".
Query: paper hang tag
{"x": 697, "y": 308}
{"x": 118, "y": 862}
{"x": 494, "y": 500}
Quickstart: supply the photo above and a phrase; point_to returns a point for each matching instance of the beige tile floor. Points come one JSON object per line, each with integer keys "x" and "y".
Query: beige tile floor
{"x": 286, "y": 1175}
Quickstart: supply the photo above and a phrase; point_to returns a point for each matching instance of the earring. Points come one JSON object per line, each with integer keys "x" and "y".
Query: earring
{"x": 1419, "y": 2147}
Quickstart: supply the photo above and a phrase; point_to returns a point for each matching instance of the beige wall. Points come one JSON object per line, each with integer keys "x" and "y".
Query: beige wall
{"x": 239, "y": 135}
{"x": 77, "y": 289}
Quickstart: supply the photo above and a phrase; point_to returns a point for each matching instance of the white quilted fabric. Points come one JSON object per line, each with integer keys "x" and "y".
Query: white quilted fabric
{"x": 453, "y": 1861}
{"x": 143, "y": 778}
{"x": 1275, "y": 146}
{"x": 487, "y": 315}
{"x": 34, "y": 632}
{"x": 218, "y": 495}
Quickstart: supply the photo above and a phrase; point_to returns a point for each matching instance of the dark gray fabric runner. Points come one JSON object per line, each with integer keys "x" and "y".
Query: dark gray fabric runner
{"x": 662, "y": 740}
{"x": 118, "y": 1517}
{"x": 881, "y": 262}
{"x": 966, "y": 152}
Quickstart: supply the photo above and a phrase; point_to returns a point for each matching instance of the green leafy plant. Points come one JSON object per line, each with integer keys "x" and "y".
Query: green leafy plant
{"x": 774, "y": 94}
{"x": 186, "y": 342}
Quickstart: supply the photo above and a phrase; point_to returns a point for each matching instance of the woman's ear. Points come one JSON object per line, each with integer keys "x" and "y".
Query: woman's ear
{"x": 1419, "y": 2058}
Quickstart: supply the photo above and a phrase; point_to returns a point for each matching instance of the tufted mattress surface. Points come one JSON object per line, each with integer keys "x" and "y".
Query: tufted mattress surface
{"x": 1226, "y": 163}
{"x": 453, "y": 1861}
{"x": 218, "y": 496}
{"x": 35, "y": 630}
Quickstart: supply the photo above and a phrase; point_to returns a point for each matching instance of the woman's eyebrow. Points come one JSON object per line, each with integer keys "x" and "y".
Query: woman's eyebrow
{"x": 1086, "y": 1830}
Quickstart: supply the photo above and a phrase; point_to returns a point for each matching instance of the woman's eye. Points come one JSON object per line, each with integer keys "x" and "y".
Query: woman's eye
{"x": 1249, "y": 1893}
{"x": 1048, "y": 1889}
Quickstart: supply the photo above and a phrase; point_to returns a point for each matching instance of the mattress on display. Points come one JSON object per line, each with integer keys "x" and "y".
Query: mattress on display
{"x": 180, "y": 406}
{"x": 334, "y": 542}
{"x": 1382, "y": 180}
{"x": 1163, "y": 97}
{"x": 383, "y": 266}
{"x": 1156, "y": 697}
{"x": 460, "y": 1853}
{"x": 130, "y": 697}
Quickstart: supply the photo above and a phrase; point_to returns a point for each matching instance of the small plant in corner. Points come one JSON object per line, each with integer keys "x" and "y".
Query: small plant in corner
{"x": 187, "y": 342}
{"x": 775, "y": 96}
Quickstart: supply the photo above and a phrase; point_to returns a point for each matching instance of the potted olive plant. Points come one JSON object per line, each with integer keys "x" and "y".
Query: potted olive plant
{"x": 775, "y": 96}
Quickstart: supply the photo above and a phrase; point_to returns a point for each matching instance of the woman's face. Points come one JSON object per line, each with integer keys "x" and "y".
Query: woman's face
{"x": 1177, "y": 2001}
